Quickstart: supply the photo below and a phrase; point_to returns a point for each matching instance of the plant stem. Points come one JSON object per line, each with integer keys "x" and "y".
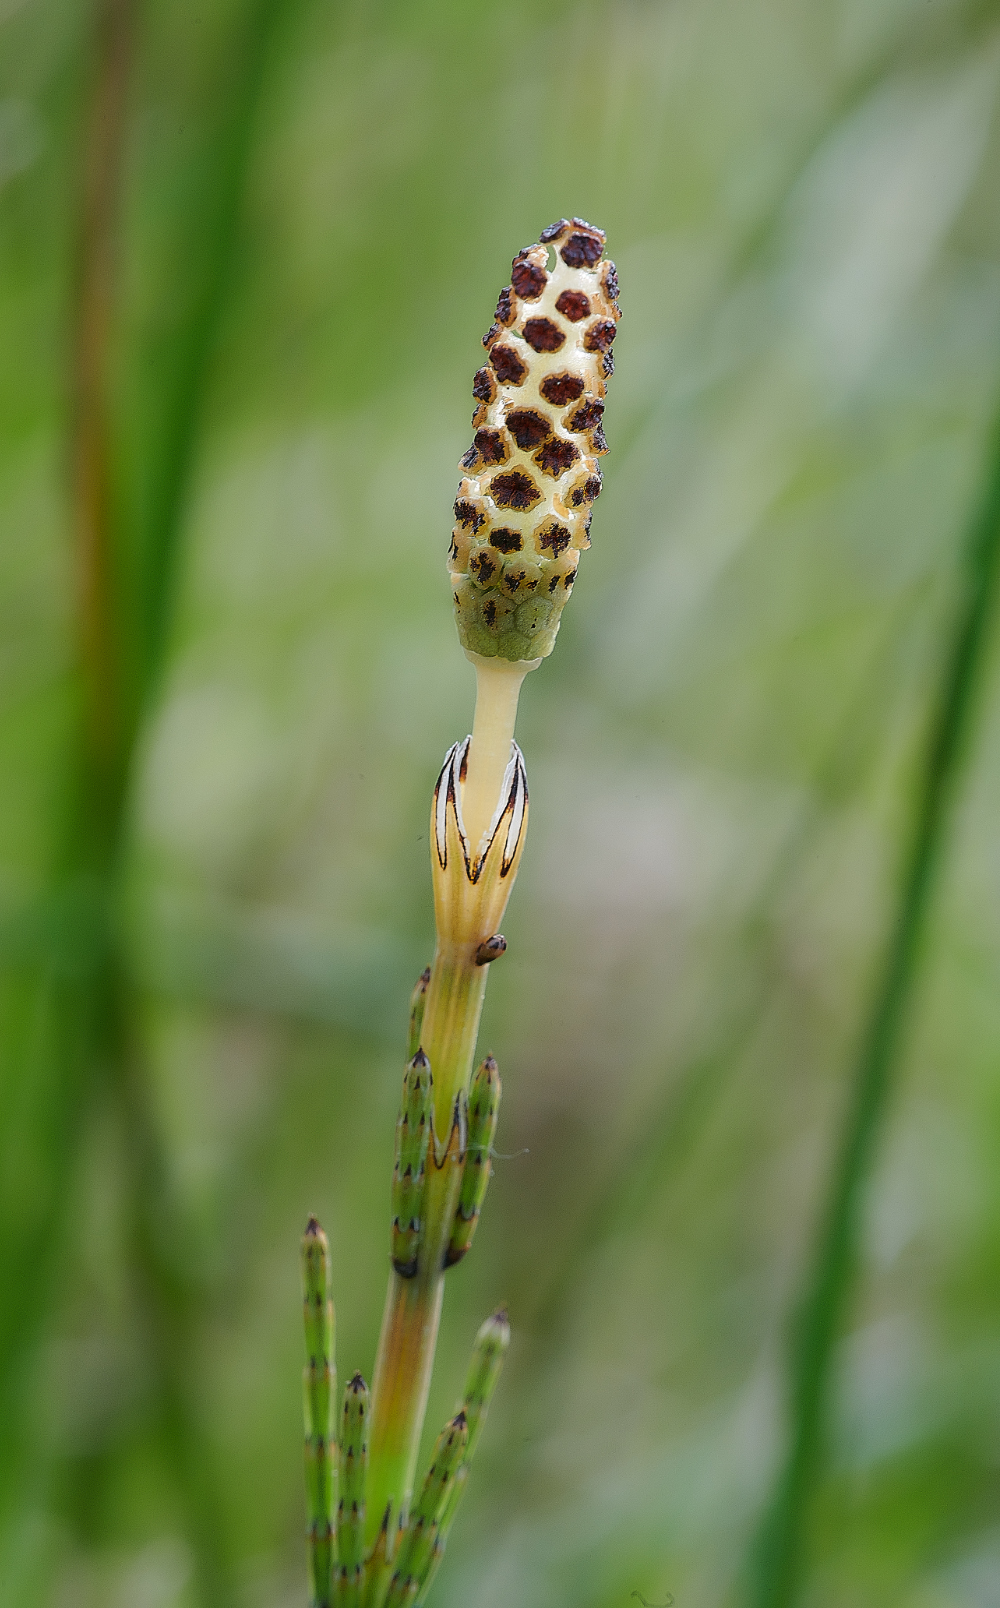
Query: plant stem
{"x": 498, "y": 688}
{"x": 777, "y": 1561}
{"x": 413, "y": 1306}
{"x": 402, "y": 1381}
{"x": 90, "y": 450}
{"x": 71, "y": 1005}
{"x": 452, "y": 1009}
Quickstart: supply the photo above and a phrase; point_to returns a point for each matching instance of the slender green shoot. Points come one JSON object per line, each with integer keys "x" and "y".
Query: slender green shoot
{"x": 484, "y": 1110}
{"x": 481, "y": 1381}
{"x": 418, "y": 1000}
{"x": 777, "y": 1562}
{"x": 416, "y": 1548}
{"x": 353, "y": 1476}
{"x": 319, "y": 1382}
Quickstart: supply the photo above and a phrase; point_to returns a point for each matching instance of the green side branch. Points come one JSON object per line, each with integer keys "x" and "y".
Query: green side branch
{"x": 418, "y": 1000}
{"x": 400, "y": 1564}
{"x": 416, "y": 1546}
{"x": 483, "y": 1112}
{"x": 414, "y": 1127}
{"x": 481, "y": 1382}
{"x": 422, "y": 1546}
{"x": 353, "y": 1479}
{"x": 319, "y": 1389}
{"x": 483, "y": 1376}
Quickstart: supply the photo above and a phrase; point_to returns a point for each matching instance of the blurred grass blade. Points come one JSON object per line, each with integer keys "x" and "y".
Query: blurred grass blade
{"x": 213, "y": 233}
{"x": 91, "y": 469}
{"x": 779, "y": 1554}
{"x": 55, "y": 1015}
{"x": 88, "y": 1006}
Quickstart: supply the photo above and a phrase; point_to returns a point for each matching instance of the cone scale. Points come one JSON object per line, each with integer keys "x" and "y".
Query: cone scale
{"x": 522, "y": 514}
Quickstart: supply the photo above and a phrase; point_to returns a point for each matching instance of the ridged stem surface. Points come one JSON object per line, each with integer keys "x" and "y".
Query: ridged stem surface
{"x": 448, "y": 1030}
{"x": 319, "y": 1387}
{"x": 413, "y": 1306}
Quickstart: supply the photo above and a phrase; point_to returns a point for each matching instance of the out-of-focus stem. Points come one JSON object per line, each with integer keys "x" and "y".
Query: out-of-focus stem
{"x": 115, "y": 688}
{"x": 215, "y": 242}
{"x": 775, "y": 1583}
{"x": 90, "y": 451}
{"x": 95, "y": 827}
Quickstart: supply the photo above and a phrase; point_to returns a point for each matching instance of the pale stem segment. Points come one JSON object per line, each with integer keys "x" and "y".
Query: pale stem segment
{"x": 452, "y": 1007}
{"x": 498, "y": 688}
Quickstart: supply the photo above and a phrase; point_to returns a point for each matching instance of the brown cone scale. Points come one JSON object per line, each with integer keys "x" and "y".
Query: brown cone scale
{"x": 524, "y": 504}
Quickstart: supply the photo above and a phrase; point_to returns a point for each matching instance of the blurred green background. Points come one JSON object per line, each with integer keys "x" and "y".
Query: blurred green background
{"x": 254, "y": 329}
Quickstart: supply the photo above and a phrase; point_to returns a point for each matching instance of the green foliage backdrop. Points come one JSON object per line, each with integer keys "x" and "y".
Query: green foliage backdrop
{"x": 209, "y": 931}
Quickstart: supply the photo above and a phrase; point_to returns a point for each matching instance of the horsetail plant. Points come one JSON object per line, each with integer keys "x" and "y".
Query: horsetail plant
{"x": 523, "y": 515}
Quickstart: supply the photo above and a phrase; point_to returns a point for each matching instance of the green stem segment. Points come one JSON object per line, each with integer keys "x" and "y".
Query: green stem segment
{"x": 484, "y": 1109}
{"x": 409, "y": 1174}
{"x": 481, "y": 1381}
{"x": 417, "y": 1546}
{"x": 423, "y": 1547}
{"x": 351, "y": 1508}
{"x": 418, "y": 1001}
{"x": 779, "y": 1552}
{"x": 377, "y": 1569}
{"x": 319, "y": 1390}
{"x": 450, "y": 1026}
